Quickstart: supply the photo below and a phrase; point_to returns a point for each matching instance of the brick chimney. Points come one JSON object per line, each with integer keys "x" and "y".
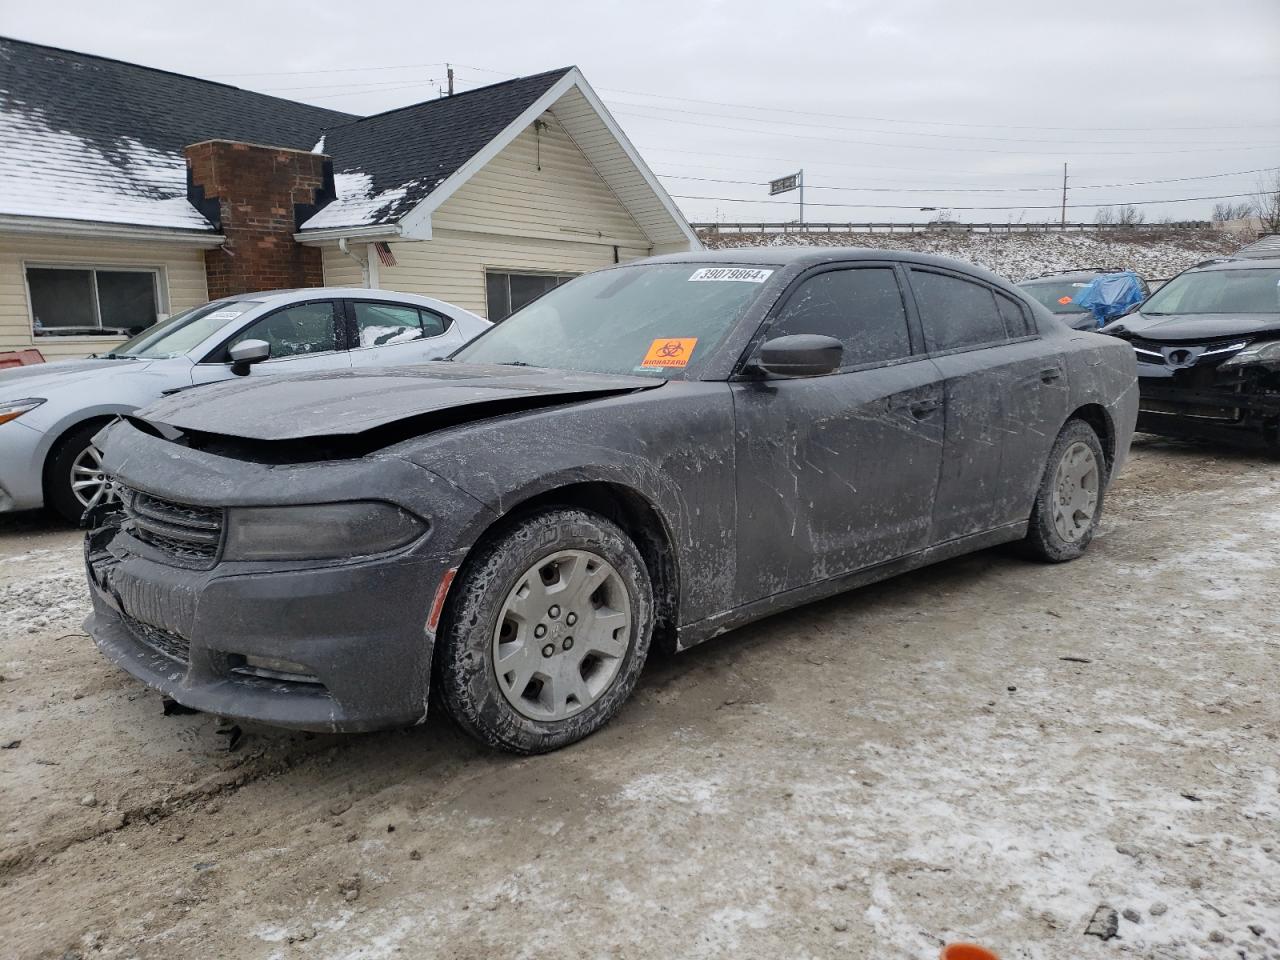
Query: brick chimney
{"x": 257, "y": 197}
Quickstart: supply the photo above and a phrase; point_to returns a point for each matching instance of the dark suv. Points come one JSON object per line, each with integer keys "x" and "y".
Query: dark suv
{"x": 1208, "y": 349}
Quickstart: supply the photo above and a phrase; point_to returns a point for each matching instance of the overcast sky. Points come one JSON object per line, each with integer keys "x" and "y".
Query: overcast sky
{"x": 902, "y": 104}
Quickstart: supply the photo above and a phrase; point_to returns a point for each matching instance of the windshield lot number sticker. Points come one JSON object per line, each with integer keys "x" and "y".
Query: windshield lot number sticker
{"x": 731, "y": 273}
{"x": 669, "y": 352}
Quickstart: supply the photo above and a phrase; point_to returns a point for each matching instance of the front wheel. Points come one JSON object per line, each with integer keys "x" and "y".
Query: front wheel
{"x": 1068, "y": 504}
{"x": 73, "y": 477}
{"x": 546, "y": 632}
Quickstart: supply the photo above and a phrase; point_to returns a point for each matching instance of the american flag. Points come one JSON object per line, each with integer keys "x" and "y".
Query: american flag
{"x": 384, "y": 253}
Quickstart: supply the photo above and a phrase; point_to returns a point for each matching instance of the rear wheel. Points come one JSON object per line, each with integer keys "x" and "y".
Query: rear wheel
{"x": 547, "y": 632}
{"x": 73, "y": 477}
{"x": 1068, "y": 504}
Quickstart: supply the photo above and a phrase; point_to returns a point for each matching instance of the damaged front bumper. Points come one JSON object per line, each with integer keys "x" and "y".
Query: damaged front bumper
{"x": 335, "y": 645}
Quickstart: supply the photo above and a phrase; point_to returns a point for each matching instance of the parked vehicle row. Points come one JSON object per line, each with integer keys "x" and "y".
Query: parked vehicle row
{"x": 653, "y": 453}
{"x": 52, "y": 411}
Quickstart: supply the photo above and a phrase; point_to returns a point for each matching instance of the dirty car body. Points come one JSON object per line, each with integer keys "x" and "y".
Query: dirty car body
{"x": 288, "y": 551}
{"x": 1207, "y": 346}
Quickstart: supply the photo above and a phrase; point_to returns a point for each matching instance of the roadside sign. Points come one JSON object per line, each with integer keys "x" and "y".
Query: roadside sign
{"x": 784, "y": 184}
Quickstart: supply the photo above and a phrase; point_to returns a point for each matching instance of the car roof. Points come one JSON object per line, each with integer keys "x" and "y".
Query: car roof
{"x": 1066, "y": 276}
{"x": 800, "y": 256}
{"x": 1252, "y": 262}
{"x": 276, "y": 297}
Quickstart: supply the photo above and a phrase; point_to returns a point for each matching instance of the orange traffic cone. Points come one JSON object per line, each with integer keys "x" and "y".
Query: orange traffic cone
{"x": 966, "y": 951}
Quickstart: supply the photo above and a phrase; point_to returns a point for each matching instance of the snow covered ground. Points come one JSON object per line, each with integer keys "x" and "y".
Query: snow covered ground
{"x": 1018, "y": 256}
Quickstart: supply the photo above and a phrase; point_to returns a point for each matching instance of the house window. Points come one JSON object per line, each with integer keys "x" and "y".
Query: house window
{"x": 506, "y": 293}
{"x": 92, "y": 301}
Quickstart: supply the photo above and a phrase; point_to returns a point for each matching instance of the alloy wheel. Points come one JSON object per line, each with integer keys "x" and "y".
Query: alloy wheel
{"x": 90, "y": 485}
{"x": 562, "y": 635}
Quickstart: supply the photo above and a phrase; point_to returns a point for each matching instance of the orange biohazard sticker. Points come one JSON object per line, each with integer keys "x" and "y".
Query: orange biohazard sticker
{"x": 1064, "y": 300}
{"x": 670, "y": 352}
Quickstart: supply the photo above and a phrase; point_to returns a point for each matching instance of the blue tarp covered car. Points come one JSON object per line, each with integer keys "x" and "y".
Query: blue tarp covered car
{"x": 1110, "y": 295}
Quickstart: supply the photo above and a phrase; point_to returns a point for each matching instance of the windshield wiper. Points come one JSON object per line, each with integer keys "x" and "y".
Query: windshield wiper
{"x": 115, "y": 356}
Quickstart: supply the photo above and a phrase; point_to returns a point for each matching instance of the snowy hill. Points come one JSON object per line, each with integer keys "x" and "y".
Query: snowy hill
{"x": 1018, "y": 256}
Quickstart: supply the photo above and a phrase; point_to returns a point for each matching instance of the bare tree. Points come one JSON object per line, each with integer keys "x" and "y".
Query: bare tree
{"x": 1128, "y": 216}
{"x": 1266, "y": 202}
{"x": 1225, "y": 212}
{"x": 1106, "y": 216}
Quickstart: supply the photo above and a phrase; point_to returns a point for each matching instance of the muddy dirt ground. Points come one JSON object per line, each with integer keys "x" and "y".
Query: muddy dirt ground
{"x": 988, "y": 749}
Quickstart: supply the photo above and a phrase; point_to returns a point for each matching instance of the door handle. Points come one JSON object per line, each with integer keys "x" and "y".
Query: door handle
{"x": 922, "y": 408}
{"x": 1050, "y": 374}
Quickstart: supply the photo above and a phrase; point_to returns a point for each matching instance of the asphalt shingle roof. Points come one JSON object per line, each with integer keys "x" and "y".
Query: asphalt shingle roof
{"x": 90, "y": 138}
{"x": 387, "y": 163}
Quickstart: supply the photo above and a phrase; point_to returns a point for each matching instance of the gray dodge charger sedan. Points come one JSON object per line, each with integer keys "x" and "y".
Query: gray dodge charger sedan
{"x": 654, "y": 453}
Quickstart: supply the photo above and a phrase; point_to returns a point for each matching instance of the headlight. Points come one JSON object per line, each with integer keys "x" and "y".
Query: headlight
{"x": 13, "y": 409}
{"x": 318, "y": 532}
{"x": 1265, "y": 352}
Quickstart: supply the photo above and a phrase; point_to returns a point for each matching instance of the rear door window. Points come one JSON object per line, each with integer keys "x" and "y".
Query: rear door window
{"x": 955, "y": 313}
{"x": 381, "y": 324}
{"x": 861, "y": 307}
{"x": 1014, "y": 316}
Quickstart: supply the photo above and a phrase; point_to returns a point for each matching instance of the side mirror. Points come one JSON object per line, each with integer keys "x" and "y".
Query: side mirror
{"x": 800, "y": 355}
{"x": 246, "y": 353}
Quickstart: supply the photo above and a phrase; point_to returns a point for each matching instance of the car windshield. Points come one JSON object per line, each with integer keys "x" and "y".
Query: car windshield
{"x": 1057, "y": 296}
{"x": 184, "y": 331}
{"x": 659, "y": 320}
{"x": 1255, "y": 290}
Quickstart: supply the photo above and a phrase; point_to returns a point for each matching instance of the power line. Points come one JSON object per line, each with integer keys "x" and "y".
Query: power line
{"x": 891, "y": 133}
{"x": 891, "y": 206}
{"x": 1083, "y": 186}
{"x": 355, "y": 87}
{"x": 299, "y": 73}
{"x": 751, "y": 106}
{"x": 937, "y": 123}
{"x": 917, "y": 146}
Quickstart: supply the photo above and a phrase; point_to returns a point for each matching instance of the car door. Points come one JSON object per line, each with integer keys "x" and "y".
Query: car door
{"x": 303, "y": 336}
{"x": 384, "y": 333}
{"x": 1005, "y": 395}
{"x": 838, "y": 472}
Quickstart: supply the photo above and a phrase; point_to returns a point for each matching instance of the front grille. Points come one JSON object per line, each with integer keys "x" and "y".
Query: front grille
{"x": 167, "y": 644}
{"x": 184, "y": 532}
{"x": 1194, "y": 354}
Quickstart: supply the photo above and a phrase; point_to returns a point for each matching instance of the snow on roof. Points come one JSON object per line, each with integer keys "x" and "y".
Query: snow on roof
{"x": 93, "y": 139}
{"x": 357, "y": 203}
{"x": 52, "y": 173}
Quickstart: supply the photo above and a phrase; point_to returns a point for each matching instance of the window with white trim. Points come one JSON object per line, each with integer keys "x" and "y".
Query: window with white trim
{"x": 78, "y": 301}
{"x": 507, "y": 292}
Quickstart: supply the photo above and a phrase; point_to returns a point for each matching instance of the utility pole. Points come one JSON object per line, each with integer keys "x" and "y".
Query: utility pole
{"x": 1064, "y": 193}
{"x": 449, "y": 67}
{"x": 802, "y": 197}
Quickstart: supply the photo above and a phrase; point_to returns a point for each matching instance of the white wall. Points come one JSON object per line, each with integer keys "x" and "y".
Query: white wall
{"x": 182, "y": 282}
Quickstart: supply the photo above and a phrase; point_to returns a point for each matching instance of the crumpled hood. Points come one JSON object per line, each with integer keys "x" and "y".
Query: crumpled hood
{"x": 37, "y": 379}
{"x": 1200, "y": 326}
{"x": 349, "y": 402}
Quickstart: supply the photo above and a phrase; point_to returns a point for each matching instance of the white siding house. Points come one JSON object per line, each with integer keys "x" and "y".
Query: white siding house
{"x": 483, "y": 199}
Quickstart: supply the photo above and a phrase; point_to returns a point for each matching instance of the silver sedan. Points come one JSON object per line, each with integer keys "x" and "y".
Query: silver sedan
{"x": 49, "y": 413}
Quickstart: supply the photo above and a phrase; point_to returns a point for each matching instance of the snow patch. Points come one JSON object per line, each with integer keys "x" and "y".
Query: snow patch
{"x": 53, "y": 173}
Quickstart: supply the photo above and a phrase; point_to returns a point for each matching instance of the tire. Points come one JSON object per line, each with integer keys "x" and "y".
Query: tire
{"x": 1057, "y": 532}
{"x": 72, "y": 450}
{"x": 541, "y": 688}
